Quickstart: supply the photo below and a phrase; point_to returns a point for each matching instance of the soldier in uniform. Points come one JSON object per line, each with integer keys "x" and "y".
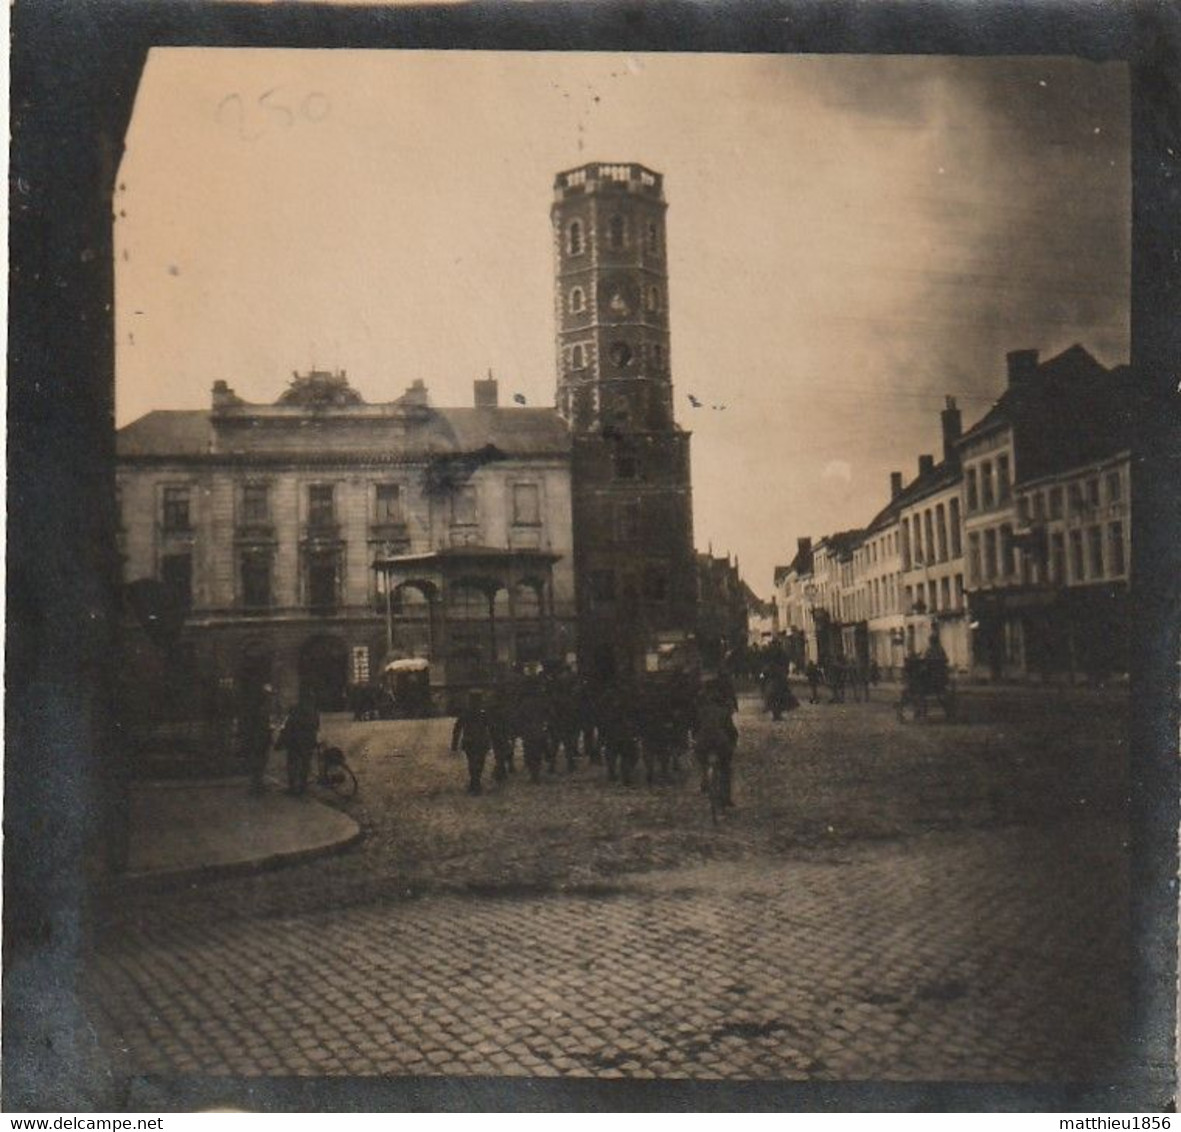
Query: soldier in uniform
{"x": 473, "y": 733}
{"x": 716, "y": 737}
{"x": 298, "y": 738}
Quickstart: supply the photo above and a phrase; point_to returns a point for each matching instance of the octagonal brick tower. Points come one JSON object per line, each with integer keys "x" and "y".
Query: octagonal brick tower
{"x": 632, "y": 503}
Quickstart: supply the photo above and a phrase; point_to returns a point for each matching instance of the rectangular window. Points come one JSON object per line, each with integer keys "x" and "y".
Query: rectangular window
{"x": 1055, "y": 503}
{"x": 1039, "y": 507}
{"x": 526, "y": 505}
{"x": 1093, "y": 492}
{"x": 1004, "y": 486}
{"x": 909, "y": 598}
{"x": 959, "y": 591}
{"x": 256, "y": 581}
{"x": 321, "y": 507}
{"x": 1008, "y": 565}
{"x": 176, "y": 509}
{"x": 905, "y": 529}
{"x": 1115, "y": 544}
{"x": 1095, "y": 547}
{"x": 986, "y": 496}
{"x": 970, "y": 483}
{"x": 945, "y": 592}
{"x": 627, "y": 467}
{"x": 1023, "y": 508}
{"x": 176, "y": 572}
{"x": 388, "y": 504}
{"x": 1114, "y": 486}
{"x": 990, "y": 561}
{"x": 1058, "y": 558}
{"x": 932, "y": 596}
{"x": 627, "y": 521}
{"x": 1076, "y": 556}
{"x": 941, "y": 531}
{"x": 957, "y": 548}
{"x": 256, "y": 503}
{"x": 1076, "y": 498}
{"x": 929, "y": 534}
{"x": 974, "y": 558}
{"x": 463, "y": 506}
{"x": 322, "y": 583}
{"x": 916, "y": 531}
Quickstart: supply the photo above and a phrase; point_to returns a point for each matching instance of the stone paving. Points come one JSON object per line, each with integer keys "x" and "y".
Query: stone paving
{"x": 905, "y": 946}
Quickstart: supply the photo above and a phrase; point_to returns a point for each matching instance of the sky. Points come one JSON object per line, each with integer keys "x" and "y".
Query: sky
{"x": 850, "y": 238}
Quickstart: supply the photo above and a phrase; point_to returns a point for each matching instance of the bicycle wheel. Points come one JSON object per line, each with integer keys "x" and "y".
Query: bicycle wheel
{"x": 344, "y": 781}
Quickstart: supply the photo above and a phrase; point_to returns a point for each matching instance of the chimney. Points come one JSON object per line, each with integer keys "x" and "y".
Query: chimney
{"x": 953, "y": 425}
{"x": 926, "y": 464}
{"x": 1022, "y": 366}
{"x": 895, "y": 484}
{"x": 416, "y": 393}
{"x": 486, "y": 392}
{"x": 223, "y": 395}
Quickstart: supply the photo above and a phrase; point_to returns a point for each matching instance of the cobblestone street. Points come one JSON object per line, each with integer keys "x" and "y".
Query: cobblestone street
{"x": 888, "y": 901}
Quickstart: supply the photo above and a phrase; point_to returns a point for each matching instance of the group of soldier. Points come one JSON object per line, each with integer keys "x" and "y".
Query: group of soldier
{"x": 554, "y": 714}
{"x": 841, "y": 676}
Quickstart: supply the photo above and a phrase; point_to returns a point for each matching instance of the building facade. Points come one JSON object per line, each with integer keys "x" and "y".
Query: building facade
{"x": 1012, "y": 551}
{"x": 635, "y": 569}
{"x": 1046, "y": 515}
{"x": 264, "y": 522}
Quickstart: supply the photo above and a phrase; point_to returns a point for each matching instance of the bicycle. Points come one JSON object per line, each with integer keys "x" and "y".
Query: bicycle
{"x": 333, "y": 771}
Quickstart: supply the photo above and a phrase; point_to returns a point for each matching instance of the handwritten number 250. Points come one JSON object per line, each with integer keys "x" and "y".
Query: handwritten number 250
{"x": 253, "y": 119}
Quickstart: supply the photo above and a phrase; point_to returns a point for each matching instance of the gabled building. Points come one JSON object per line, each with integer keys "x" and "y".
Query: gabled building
{"x": 1047, "y": 519}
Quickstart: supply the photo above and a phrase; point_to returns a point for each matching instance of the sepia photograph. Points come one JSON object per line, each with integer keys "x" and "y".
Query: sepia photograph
{"x": 622, "y": 576}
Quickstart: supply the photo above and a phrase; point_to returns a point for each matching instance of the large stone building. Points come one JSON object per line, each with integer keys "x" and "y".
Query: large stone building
{"x": 266, "y": 521}
{"x": 311, "y": 540}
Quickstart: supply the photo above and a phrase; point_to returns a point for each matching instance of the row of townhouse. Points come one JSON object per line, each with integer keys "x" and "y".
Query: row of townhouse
{"x": 1012, "y": 552}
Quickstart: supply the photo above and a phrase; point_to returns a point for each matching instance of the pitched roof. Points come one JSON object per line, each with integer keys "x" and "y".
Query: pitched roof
{"x": 426, "y": 432}
{"x": 1069, "y": 411}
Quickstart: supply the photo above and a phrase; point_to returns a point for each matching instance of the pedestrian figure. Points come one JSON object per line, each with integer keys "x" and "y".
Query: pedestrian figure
{"x": 776, "y": 692}
{"x": 814, "y": 677}
{"x": 618, "y": 731}
{"x": 503, "y": 736}
{"x": 473, "y": 734}
{"x": 563, "y": 722}
{"x": 715, "y": 738}
{"x": 298, "y": 738}
{"x": 588, "y": 719}
{"x": 254, "y": 731}
{"x": 837, "y": 672}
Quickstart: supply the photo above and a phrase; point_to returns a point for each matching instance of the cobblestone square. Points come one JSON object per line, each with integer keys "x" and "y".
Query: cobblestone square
{"x": 888, "y": 901}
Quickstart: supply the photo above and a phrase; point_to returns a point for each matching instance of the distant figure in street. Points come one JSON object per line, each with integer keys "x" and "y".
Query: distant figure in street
{"x": 837, "y": 672}
{"x": 473, "y": 733}
{"x": 254, "y": 730}
{"x": 814, "y": 677}
{"x": 617, "y": 725}
{"x": 716, "y": 737}
{"x": 501, "y": 721}
{"x": 298, "y": 738}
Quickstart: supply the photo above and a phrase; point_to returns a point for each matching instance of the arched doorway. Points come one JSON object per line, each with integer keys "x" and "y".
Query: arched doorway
{"x": 324, "y": 671}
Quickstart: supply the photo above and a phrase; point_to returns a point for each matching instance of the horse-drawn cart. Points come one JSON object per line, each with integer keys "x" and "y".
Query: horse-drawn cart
{"x": 926, "y": 680}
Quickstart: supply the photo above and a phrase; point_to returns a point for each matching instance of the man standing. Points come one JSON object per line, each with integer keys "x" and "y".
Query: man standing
{"x": 298, "y": 738}
{"x": 473, "y": 733}
{"x": 254, "y": 730}
{"x": 716, "y": 737}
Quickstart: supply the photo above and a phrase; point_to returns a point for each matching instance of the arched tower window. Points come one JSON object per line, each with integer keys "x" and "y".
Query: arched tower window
{"x": 574, "y": 238}
{"x": 577, "y": 300}
{"x": 652, "y": 238}
{"x": 654, "y": 298}
{"x": 577, "y": 357}
{"x": 658, "y": 355}
{"x": 616, "y": 232}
